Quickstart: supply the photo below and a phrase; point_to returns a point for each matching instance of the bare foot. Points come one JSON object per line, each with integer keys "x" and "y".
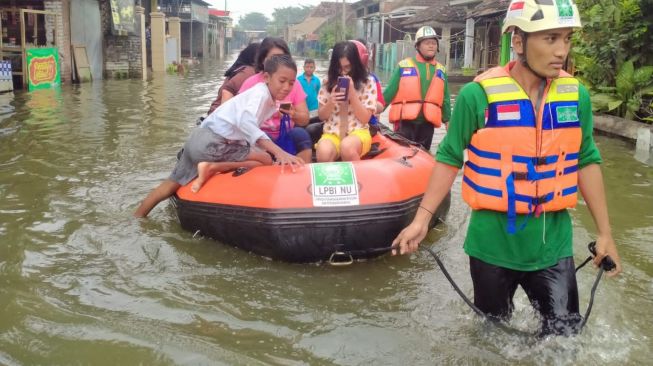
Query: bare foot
{"x": 202, "y": 174}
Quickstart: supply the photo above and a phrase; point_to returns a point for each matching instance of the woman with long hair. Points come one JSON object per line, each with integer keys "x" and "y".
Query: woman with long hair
{"x": 298, "y": 110}
{"x": 346, "y": 112}
{"x": 241, "y": 69}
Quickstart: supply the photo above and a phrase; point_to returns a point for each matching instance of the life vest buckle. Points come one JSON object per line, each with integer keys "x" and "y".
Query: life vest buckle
{"x": 520, "y": 175}
{"x": 540, "y": 160}
{"x": 540, "y": 200}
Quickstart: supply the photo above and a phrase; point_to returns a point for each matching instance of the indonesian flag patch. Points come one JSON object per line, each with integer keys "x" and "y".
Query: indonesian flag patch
{"x": 515, "y": 10}
{"x": 508, "y": 112}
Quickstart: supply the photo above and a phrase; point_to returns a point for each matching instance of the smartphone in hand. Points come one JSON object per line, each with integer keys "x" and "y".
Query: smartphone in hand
{"x": 285, "y": 106}
{"x": 343, "y": 86}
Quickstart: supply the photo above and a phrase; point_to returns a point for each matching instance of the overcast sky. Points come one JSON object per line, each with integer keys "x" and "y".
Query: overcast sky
{"x": 239, "y": 8}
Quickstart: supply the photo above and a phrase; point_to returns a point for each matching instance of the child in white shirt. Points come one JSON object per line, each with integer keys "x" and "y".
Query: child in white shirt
{"x": 225, "y": 139}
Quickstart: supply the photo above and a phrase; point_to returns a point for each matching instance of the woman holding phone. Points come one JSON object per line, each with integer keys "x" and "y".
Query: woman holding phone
{"x": 347, "y": 101}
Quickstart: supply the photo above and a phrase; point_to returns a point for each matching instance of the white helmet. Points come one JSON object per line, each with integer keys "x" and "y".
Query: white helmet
{"x": 425, "y": 32}
{"x": 538, "y": 15}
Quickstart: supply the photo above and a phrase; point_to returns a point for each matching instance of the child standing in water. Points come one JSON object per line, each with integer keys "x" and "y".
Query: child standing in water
{"x": 225, "y": 138}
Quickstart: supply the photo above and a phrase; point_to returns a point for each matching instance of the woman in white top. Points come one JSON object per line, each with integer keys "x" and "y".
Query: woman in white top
{"x": 346, "y": 132}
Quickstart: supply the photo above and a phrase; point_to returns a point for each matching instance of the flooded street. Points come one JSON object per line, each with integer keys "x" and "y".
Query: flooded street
{"x": 82, "y": 282}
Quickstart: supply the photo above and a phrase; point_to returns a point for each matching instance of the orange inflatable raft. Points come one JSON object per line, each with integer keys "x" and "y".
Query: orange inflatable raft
{"x": 337, "y": 211}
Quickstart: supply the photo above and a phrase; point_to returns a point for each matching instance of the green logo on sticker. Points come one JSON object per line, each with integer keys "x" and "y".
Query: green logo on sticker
{"x": 333, "y": 174}
{"x": 565, "y": 10}
{"x": 567, "y": 114}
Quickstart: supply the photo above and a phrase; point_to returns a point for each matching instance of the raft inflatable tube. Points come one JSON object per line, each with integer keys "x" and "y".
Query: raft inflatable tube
{"x": 339, "y": 211}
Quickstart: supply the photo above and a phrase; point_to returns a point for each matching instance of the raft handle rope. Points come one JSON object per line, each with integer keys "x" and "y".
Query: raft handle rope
{"x": 404, "y": 159}
{"x": 339, "y": 258}
{"x": 607, "y": 264}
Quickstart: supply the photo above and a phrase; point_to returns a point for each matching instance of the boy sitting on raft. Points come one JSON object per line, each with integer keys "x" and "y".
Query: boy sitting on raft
{"x": 225, "y": 138}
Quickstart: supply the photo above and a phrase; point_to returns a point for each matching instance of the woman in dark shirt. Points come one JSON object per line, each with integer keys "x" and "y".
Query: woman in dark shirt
{"x": 242, "y": 69}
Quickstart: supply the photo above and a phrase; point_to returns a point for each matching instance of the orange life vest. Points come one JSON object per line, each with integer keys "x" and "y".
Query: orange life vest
{"x": 408, "y": 103}
{"x": 523, "y": 162}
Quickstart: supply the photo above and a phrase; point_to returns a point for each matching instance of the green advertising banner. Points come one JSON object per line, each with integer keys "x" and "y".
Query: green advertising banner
{"x": 43, "y": 68}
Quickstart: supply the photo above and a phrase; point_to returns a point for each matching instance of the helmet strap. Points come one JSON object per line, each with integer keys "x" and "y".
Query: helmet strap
{"x": 523, "y": 59}
{"x": 437, "y": 50}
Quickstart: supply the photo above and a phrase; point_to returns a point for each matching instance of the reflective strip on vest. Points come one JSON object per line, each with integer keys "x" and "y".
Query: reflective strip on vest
{"x": 407, "y": 103}
{"x": 522, "y": 159}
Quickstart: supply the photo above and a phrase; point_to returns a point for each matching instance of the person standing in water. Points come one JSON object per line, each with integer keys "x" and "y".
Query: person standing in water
{"x": 527, "y": 128}
{"x": 418, "y": 91}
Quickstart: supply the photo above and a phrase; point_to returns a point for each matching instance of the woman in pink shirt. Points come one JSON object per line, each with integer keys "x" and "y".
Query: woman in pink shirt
{"x": 298, "y": 110}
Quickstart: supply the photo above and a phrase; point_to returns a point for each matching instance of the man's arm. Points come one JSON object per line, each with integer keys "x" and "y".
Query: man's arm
{"x": 446, "y": 103}
{"x": 392, "y": 87}
{"x": 439, "y": 185}
{"x": 590, "y": 182}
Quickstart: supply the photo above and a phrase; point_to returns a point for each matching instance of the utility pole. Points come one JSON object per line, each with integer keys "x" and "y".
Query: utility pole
{"x": 344, "y": 17}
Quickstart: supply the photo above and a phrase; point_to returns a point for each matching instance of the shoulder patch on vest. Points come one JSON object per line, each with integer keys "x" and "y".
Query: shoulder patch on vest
{"x": 407, "y": 62}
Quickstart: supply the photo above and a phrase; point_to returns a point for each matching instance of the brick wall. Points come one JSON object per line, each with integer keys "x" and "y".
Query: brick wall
{"x": 60, "y": 30}
{"x": 122, "y": 54}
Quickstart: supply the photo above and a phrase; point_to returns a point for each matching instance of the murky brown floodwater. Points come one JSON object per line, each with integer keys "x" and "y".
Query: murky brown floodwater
{"x": 81, "y": 282}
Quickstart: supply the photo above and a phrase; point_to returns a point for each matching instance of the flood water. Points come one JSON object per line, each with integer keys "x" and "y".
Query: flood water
{"x": 82, "y": 282}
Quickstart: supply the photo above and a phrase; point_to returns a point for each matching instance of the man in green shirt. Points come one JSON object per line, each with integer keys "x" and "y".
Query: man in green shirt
{"x": 538, "y": 256}
{"x": 418, "y": 91}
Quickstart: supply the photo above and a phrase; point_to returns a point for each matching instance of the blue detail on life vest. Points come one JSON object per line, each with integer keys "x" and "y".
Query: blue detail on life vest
{"x": 408, "y": 71}
{"x": 484, "y": 153}
{"x": 496, "y": 118}
{"x": 571, "y": 169}
{"x": 483, "y": 190}
{"x": 533, "y": 160}
{"x": 373, "y": 120}
{"x": 571, "y": 156}
{"x": 569, "y": 190}
{"x": 482, "y": 170}
{"x": 439, "y": 73}
{"x": 551, "y": 119}
{"x": 512, "y": 204}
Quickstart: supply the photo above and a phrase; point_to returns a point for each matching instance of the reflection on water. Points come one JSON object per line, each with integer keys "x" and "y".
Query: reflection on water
{"x": 82, "y": 282}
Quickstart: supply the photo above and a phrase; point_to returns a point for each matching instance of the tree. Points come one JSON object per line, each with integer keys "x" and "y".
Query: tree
{"x": 289, "y": 15}
{"x": 612, "y": 54}
{"x": 253, "y": 21}
{"x": 331, "y": 33}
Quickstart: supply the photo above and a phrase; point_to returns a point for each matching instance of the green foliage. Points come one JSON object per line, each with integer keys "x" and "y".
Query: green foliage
{"x": 611, "y": 54}
{"x": 331, "y": 34}
{"x": 289, "y": 15}
{"x": 625, "y": 99}
{"x": 253, "y": 21}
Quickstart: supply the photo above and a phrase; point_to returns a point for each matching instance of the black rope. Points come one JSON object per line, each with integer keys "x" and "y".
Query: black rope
{"x": 584, "y": 263}
{"x": 606, "y": 264}
{"x": 589, "y": 306}
{"x": 478, "y": 311}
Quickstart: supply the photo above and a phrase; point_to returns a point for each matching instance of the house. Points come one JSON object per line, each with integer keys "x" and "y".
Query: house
{"x": 305, "y": 35}
{"x": 194, "y": 18}
{"x": 484, "y": 28}
{"x": 378, "y": 21}
{"x": 449, "y": 23}
{"x": 219, "y": 32}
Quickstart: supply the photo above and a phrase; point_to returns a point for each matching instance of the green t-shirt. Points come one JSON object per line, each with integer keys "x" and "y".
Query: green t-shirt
{"x": 393, "y": 85}
{"x": 544, "y": 240}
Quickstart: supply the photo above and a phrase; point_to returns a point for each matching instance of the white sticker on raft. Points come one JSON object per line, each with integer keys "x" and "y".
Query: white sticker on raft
{"x": 334, "y": 184}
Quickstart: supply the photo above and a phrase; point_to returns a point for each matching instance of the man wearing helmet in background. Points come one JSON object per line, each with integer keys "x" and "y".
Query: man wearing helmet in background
{"x": 528, "y": 131}
{"x": 419, "y": 92}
